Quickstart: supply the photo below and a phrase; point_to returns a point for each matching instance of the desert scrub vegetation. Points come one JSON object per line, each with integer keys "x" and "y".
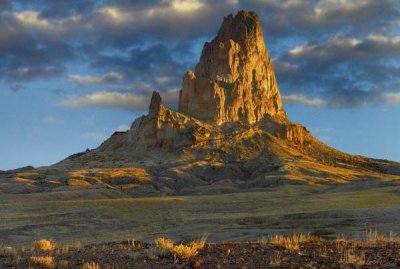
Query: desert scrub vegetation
{"x": 7, "y": 251}
{"x": 282, "y": 251}
{"x": 44, "y": 245}
{"x": 91, "y": 265}
{"x": 42, "y": 261}
{"x": 181, "y": 251}
{"x": 351, "y": 255}
{"x": 290, "y": 242}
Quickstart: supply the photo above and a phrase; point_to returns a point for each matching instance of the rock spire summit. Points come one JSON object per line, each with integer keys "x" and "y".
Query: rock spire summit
{"x": 234, "y": 80}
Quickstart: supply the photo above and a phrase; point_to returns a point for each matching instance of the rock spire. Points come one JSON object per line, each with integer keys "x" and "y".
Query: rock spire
{"x": 234, "y": 80}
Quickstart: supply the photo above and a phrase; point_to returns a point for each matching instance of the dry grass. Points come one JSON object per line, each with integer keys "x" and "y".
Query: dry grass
{"x": 373, "y": 237}
{"x": 276, "y": 259}
{"x": 6, "y": 251}
{"x": 63, "y": 264}
{"x": 199, "y": 243}
{"x": 182, "y": 251}
{"x": 91, "y": 265}
{"x": 291, "y": 242}
{"x": 43, "y": 261}
{"x": 164, "y": 243}
{"x": 44, "y": 245}
{"x": 352, "y": 256}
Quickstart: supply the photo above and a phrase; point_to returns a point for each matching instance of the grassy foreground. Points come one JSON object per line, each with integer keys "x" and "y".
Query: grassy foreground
{"x": 374, "y": 250}
{"x": 91, "y": 216}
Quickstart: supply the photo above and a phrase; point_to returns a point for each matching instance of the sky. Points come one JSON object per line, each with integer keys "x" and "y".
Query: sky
{"x": 73, "y": 72}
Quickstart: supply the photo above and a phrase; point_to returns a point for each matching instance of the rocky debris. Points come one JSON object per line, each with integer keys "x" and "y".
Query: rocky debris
{"x": 234, "y": 80}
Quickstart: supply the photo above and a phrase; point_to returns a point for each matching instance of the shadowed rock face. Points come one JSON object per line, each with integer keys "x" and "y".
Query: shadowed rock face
{"x": 234, "y": 80}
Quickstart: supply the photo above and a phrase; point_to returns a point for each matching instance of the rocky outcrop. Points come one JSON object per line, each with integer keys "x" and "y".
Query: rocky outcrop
{"x": 164, "y": 127}
{"x": 234, "y": 80}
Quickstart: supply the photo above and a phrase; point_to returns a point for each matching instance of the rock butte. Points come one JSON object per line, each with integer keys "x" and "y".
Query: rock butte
{"x": 230, "y": 132}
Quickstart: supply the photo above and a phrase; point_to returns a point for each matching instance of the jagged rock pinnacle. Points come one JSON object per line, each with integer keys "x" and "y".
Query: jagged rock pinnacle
{"x": 156, "y": 104}
{"x": 234, "y": 80}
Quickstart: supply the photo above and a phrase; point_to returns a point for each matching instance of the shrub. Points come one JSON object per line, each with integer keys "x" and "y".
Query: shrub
{"x": 43, "y": 261}
{"x": 291, "y": 242}
{"x": 200, "y": 243}
{"x": 184, "y": 252}
{"x": 91, "y": 265}
{"x": 7, "y": 251}
{"x": 181, "y": 251}
{"x": 350, "y": 255}
{"x": 164, "y": 243}
{"x": 44, "y": 245}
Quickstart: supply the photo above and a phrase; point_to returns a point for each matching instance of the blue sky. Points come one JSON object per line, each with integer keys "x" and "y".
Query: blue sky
{"x": 73, "y": 72}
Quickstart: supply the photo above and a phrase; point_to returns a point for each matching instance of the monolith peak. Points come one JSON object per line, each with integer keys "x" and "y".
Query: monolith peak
{"x": 234, "y": 80}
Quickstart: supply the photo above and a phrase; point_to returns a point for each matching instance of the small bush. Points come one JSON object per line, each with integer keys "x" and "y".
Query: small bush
{"x": 181, "y": 251}
{"x": 91, "y": 265}
{"x": 276, "y": 259}
{"x": 200, "y": 243}
{"x": 43, "y": 261}
{"x": 291, "y": 242}
{"x": 44, "y": 245}
{"x": 352, "y": 256}
{"x": 164, "y": 243}
{"x": 184, "y": 252}
{"x": 7, "y": 251}
{"x": 63, "y": 264}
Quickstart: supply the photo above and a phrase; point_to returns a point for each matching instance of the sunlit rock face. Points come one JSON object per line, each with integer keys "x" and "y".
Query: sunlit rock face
{"x": 234, "y": 80}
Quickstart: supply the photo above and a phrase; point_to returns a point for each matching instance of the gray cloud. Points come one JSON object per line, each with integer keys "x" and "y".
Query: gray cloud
{"x": 111, "y": 100}
{"x": 111, "y": 77}
{"x": 302, "y": 100}
{"x": 348, "y": 71}
{"x": 344, "y": 52}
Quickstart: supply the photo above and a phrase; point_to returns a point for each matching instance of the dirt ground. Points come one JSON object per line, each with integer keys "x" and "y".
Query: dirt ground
{"x": 312, "y": 253}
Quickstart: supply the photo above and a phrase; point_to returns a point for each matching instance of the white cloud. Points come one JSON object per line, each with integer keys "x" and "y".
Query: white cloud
{"x": 117, "y": 15}
{"x": 105, "y": 99}
{"x": 93, "y": 80}
{"x": 186, "y": 5}
{"x": 32, "y": 19}
{"x": 303, "y": 100}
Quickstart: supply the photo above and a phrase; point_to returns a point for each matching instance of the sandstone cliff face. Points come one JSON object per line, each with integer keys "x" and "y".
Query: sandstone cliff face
{"x": 234, "y": 80}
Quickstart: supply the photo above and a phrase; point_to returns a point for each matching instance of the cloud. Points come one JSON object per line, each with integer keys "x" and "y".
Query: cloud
{"x": 303, "y": 100}
{"x": 117, "y": 100}
{"x": 105, "y": 99}
{"x": 186, "y": 5}
{"x": 344, "y": 52}
{"x": 346, "y": 71}
{"x": 111, "y": 77}
{"x": 393, "y": 98}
